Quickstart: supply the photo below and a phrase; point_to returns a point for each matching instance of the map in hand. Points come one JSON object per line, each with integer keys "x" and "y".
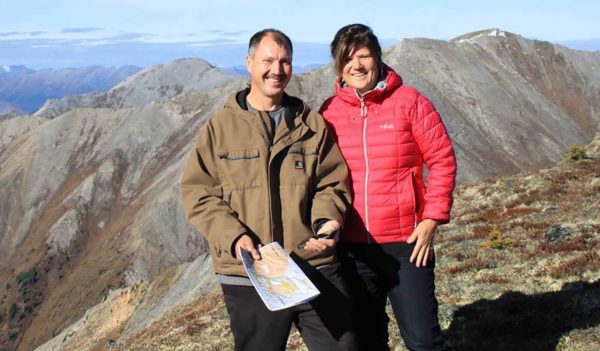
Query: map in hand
{"x": 279, "y": 281}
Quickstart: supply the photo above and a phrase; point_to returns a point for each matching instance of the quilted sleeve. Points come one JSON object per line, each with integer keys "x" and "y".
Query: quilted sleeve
{"x": 436, "y": 148}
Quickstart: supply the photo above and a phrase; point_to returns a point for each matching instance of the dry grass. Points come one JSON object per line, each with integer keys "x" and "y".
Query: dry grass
{"x": 587, "y": 261}
{"x": 473, "y": 264}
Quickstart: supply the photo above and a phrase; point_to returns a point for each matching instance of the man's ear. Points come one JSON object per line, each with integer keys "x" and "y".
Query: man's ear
{"x": 249, "y": 60}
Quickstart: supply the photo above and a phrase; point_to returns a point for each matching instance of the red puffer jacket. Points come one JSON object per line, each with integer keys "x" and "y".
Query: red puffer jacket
{"x": 385, "y": 137}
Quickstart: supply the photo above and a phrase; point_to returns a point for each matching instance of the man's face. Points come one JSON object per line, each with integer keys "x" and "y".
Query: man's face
{"x": 270, "y": 68}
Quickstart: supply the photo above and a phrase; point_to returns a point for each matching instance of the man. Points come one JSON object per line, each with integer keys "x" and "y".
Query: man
{"x": 265, "y": 169}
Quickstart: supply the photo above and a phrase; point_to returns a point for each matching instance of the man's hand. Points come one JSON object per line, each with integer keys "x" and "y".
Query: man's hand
{"x": 314, "y": 245}
{"x": 246, "y": 243}
{"x": 423, "y": 235}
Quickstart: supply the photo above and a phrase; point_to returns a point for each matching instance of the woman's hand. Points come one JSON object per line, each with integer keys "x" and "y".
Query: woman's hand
{"x": 423, "y": 235}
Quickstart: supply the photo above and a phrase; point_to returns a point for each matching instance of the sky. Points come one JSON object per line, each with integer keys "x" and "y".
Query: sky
{"x": 60, "y": 33}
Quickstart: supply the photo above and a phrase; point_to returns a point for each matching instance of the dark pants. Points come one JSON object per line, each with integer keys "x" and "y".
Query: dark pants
{"x": 378, "y": 272}
{"x": 325, "y": 323}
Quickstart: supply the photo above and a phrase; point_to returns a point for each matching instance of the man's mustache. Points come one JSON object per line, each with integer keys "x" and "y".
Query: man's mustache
{"x": 276, "y": 76}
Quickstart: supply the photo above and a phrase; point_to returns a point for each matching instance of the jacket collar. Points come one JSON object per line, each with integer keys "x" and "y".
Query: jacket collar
{"x": 382, "y": 89}
{"x": 294, "y": 107}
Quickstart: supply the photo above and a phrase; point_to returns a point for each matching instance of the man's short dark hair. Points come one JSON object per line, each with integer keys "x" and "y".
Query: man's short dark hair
{"x": 279, "y": 37}
{"x": 350, "y": 37}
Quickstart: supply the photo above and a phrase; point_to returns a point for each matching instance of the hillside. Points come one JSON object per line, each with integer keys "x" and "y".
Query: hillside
{"x": 517, "y": 268}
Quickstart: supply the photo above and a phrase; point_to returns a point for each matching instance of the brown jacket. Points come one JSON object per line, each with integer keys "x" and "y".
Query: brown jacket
{"x": 236, "y": 181}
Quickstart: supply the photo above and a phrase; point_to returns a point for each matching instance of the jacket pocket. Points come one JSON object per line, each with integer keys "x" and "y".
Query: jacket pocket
{"x": 407, "y": 199}
{"x": 240, "y": 168}
{"x": 299, "y": 165}
{"x": 223, "y": 257}
{"x": 239, "y": 155}
{"x": 413, "y": 192}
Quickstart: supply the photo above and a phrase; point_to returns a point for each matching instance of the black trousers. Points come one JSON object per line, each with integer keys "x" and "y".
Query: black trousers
{"x": 377, "y": 272}
{"x": 325, "y": 323}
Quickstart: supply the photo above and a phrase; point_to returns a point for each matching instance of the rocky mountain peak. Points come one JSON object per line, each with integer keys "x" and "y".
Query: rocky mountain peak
{"x": 153, "y": 84}
{"x": 493, "y": 33}
{"x": 15, "y": 69}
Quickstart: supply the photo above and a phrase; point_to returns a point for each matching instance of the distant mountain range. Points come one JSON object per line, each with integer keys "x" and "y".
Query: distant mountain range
{"x": 27, "y": 89}
{"x": 242, "y": 71}
{"x": 23, "y": 90}
{"x": 585, "y": 45}
{"x": 153, "y": 84}
{"x": 89, "y": 183}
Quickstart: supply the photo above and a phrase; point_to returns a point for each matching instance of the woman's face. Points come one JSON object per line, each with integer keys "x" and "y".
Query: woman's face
{"x": 360, "y": 70}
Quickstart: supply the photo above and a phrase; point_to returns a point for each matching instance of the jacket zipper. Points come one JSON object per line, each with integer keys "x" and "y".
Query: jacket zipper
{"x": 269, "y": 193}
{"x": 414, "y": 196}
{"x": 363, "y": 114}
{"x": 269, "y": 141}
{"x": 270, "y": 145}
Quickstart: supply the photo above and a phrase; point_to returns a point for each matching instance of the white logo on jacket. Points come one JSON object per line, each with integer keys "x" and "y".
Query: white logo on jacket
{"x": 386, "y": 126}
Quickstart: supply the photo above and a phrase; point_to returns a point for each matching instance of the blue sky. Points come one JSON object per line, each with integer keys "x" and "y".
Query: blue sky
{"x": 51, "y": 33}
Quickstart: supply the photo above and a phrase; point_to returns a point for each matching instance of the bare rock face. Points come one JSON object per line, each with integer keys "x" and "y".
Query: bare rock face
{"x": 15, "y": 127}
{"x": 155, "y": 83}
{"x": 90, "y": 187}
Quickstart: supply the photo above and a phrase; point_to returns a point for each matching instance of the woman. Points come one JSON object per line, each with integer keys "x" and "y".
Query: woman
{"x": 387, "y": 131}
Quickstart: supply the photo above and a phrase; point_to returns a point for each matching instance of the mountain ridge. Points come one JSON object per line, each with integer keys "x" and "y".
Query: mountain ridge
{"x": 26, "y": 89}
{"x": 152, "y": 84}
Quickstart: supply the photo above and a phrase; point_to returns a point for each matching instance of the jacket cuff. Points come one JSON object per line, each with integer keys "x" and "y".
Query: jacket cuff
{"x": 327, "y": 213}
{"x": 227, "y": 241}
{"x": 439, "y": 216}
{"x": 232, "y": 246}
{"x": 318, "y": 224}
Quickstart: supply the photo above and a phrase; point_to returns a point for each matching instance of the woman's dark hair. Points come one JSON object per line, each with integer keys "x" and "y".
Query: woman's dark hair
{"x": 350, "y": 37}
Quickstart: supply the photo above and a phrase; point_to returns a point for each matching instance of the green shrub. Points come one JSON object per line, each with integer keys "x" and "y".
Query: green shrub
{"x": 495, "y": 240}
{"x": 12, "y": 311}
{"x": 575, "y": 153}
{"x": 26, "y": 278}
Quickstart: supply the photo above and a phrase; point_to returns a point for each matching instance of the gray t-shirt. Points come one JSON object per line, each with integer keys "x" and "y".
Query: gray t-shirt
{"x": 276, "y": 116}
